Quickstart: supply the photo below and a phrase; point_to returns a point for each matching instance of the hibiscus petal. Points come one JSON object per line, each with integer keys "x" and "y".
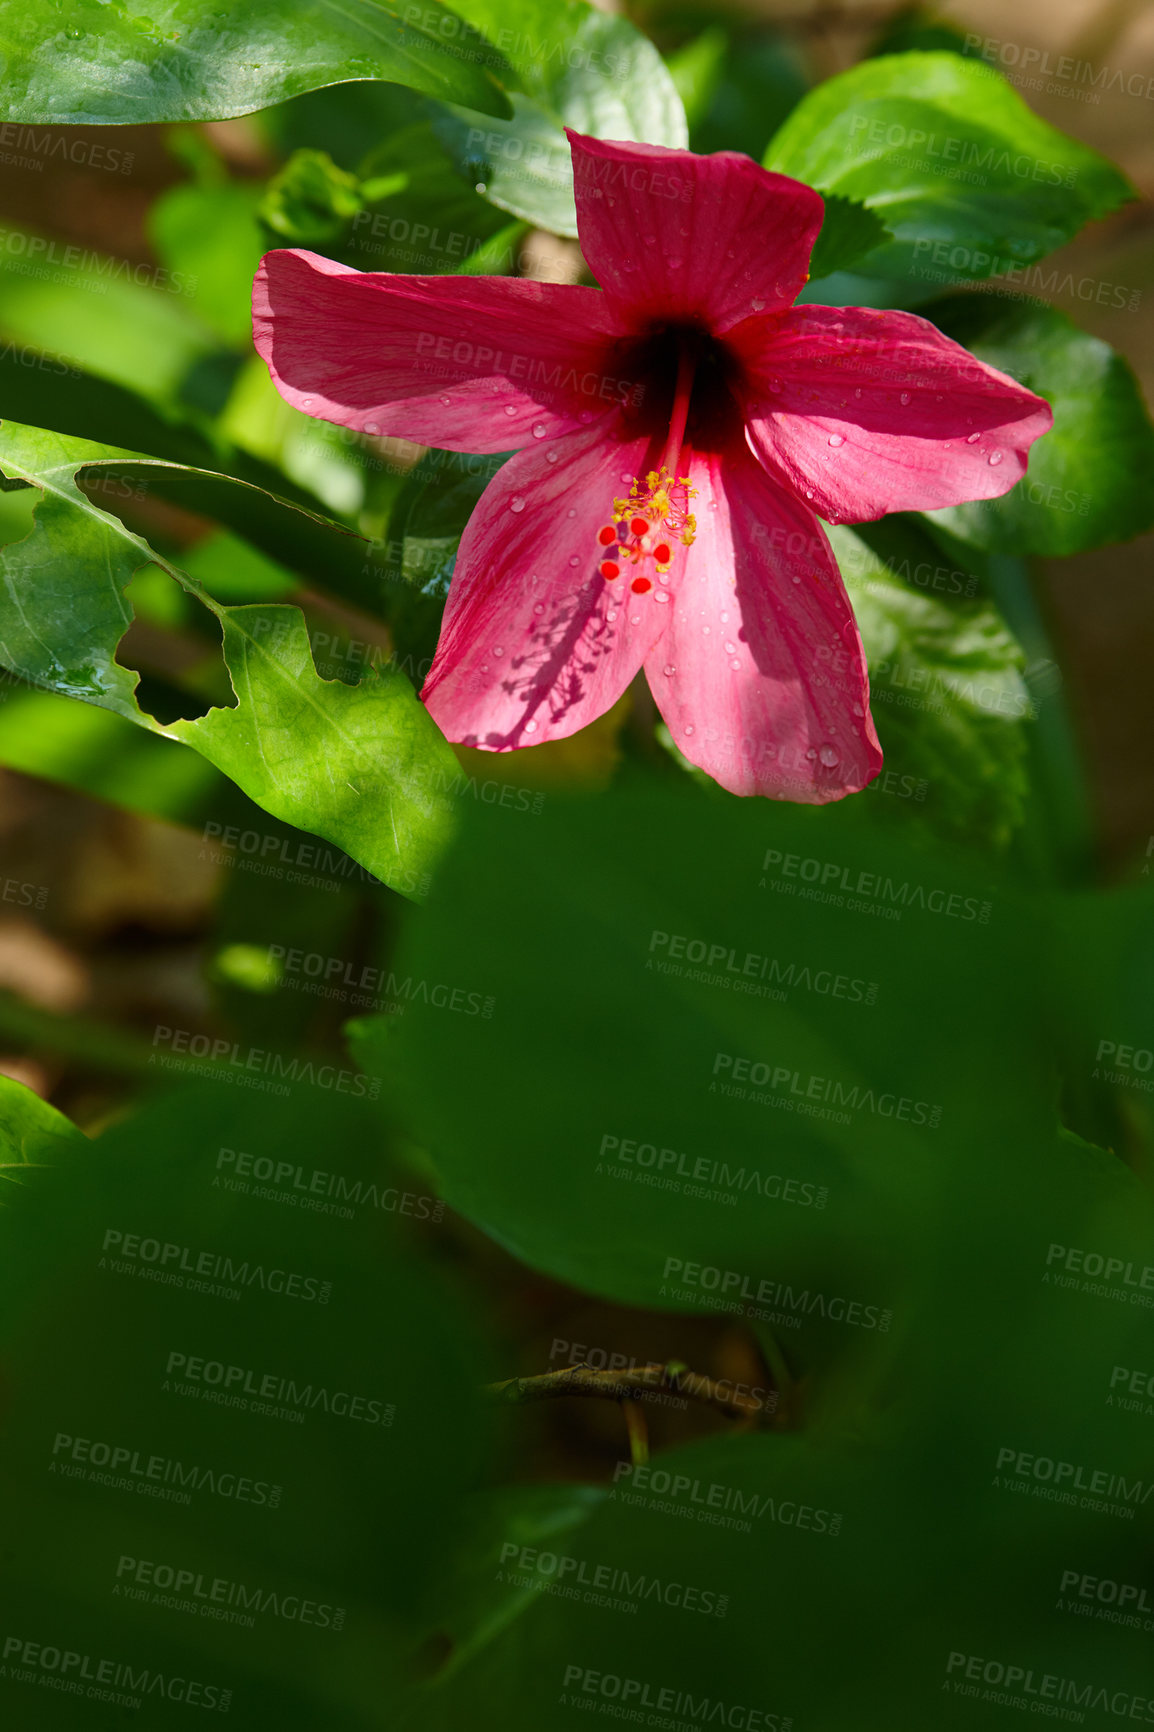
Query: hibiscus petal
{"x": 463, "y": 363}
{"x": 761, "y": 675}
{"x": 535, "y": 644}
{"x": 671, "y": 235}
{"x": 863, "y": 412}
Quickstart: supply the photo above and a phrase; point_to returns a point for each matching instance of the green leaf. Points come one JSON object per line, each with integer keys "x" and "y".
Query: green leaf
{"x": 848, "y": 232}
{"x": 361, "y": 765}
{"x": 32, "y": 1134}
{"x": 946, "y": 688}
{"x": 430, "y": 221}
{"x": 310, "y": 201}
{"x": 210, "y": 236}
{"x": 658, "y": 946}
{"x": 84, "y": 63}
{"x": 951, "y": 158}
{"x": 1088, "y": 481}
{"x": 349, "y": 1435}
{"x": 761, "y": 79}
{"x": 578, "y": 67}
{"x": 697, "y": 69}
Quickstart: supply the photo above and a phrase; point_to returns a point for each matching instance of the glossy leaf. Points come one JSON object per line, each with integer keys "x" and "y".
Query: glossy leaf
{"x": 950, "y": 157}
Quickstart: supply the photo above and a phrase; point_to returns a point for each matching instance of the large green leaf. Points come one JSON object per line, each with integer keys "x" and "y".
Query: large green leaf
{"x": 946, "y": 687}
{"x": 83, "y": 62}
{"x": 135, "y": 1269}
{"x": 1088, "y": 481}
{"x": 952, "y": 160}
{"x": 578, "y": 67}
{"x": 361, "y": 765}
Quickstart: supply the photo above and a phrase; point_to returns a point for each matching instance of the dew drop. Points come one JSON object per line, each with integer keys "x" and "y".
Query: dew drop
{"x": 669, "y": 670}
{"x": 306, "y": 402}
{"x": 857, "y": 393}
{"x": 735, "y": 663}
{"x": 530, "y": 727}
{"x": 674, "y": 264}
{"x": 811, "y": 754}
{"x": 972, "y": 438}
{"x": 689, "y": 728}
{"x": 480, "y": 186}
{"x": 611, "y": 614}
{"x": 757, "y": 303}
{"x": 371, "y": 427}
{"x": 550, "y": 457}
{"x": 905, "y": 399}
{"x": 796, "y": 579}
{"x": 510, "y": 408}
{"x": 829, "y": 756}
{"x": 516, "y": 503}
{"x": 540, "y": 608}
{"x": 858, "y": 711}
{"x": 730, "y": 649}
{"x": 725, "y": 619}
{"x": 635, "y": 619}
{"x": 836, "y": 439}
{"x": 539, "y": 429}
{"x": 809, "y": 493}
{"x": 705, "y": 631}
{"x": 498, "y": 651}
{"x": 660, "y": 595}
{"x": 994, "y": 459}
{"x": 571, "y": 512}
{"x": 775, "y": 386}
{"x": 574, "y": 560}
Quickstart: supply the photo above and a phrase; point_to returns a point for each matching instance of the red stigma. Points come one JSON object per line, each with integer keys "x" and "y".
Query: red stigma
{"x": 638, "y": 525}
{"x": 610, "y": 569}
{"x": 607, "y": 536}
{"x": 663, "y": 553}
{"x": 640, "y": 585}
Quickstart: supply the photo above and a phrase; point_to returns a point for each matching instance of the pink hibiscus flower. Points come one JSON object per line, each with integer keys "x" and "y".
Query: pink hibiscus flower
{"x": 675, "y": 433}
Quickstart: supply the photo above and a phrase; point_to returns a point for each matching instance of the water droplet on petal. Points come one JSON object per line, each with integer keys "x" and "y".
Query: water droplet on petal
{"x": 905, "y": 398}
{"x": 669, "y": 669}
{"x": 811, "y": 754}
{"x": 809, "y": 492}
{"x": 516, "y": 503}
{"x": 612, "y": 613}
{"x": 796, "y": 578}
{"x": 510, "y": 408}
{"x": 757, "y": 303}
{"x": 372, "y": 427}
{"x": 498, "y": 651}
{"x": 550, "y": 457}
{"x": 775, "y": 385}
{"x": 705, "y": 631}
{"x": 574, "y": 560}
{"x": 539, "y": 429}
{"x": 635, "y": 619}
{"x": 972, "y": 438}
{"x": 660, "y": 595}
{"x": 829, "y": 756}
{"x": 446, "y": 400}
{"x": 730, "y": 649}
{"x": 994, "y": 459}
{"x": 858, "y": 711}
{"x": 836, "y": 439}
{"x": 857, "y": 393}
{"x": 571, "y": 512}
{"x": 530, "y": 727}
{"x": 735, "y": 664}
{"x": 540, "y": 608}
{"x": 689, "y": 728}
